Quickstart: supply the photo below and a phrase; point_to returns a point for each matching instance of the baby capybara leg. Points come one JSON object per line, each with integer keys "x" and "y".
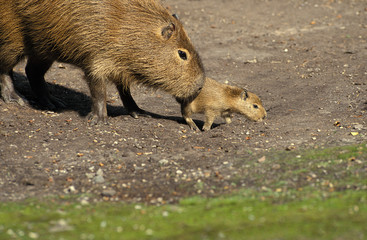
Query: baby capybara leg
{"x": 186, "y": 114}
{"x": 209, "y": 119}
{"x": 36, "y": 70}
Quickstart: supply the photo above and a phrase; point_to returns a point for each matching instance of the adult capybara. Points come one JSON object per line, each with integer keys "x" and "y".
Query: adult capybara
{"x": 217, "y": 99}
{"x": 122, "y": 41}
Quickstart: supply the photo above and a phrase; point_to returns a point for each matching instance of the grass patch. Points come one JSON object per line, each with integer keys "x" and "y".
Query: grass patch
{"x": 327, "y": 170}
{"x": 317, "y": 194}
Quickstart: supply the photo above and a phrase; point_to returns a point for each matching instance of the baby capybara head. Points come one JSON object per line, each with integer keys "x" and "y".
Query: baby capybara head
{"x": 156, "y": 49}
{"x": 250, "y": 105}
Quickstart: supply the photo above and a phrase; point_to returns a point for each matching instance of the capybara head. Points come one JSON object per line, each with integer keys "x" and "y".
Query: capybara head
{"x": 156, "y": 49}
{"x": 250, "y": 105}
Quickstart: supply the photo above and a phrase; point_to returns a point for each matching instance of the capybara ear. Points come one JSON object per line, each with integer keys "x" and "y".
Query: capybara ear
{"x": 168, "y": 31}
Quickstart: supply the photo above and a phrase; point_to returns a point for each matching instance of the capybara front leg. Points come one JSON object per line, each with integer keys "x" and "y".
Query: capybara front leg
{"x": 227, "y": 117}
{"x": 129, "y": 102}
{"x": 36, "y": 70}
{"x": 8, "y": 92}
{"x": 99, "y": 107}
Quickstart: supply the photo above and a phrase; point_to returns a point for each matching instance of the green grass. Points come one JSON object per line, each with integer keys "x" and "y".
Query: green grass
{"x": 330, "y": 205}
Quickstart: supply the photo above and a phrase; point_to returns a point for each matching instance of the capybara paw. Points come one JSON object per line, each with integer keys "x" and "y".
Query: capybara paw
{"x": 93, "y": 119}
{"x": 136, "y": 113}
{"x": 13, "y": 97}
{"x": 193, "y": 127}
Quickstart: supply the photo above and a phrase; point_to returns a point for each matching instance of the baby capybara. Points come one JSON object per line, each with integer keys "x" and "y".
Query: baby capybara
{"x": 217, "y": 99}
{"x": 122, "y": 41}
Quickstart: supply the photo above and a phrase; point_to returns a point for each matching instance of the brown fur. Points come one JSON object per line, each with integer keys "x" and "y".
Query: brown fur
{"x": 216, "y": 99}
{"x": 123, "y": 41}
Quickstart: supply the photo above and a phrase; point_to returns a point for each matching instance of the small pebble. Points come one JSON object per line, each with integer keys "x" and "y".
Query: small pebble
{"x": 98, "y": 179}
{"x": 262, "y": 159}
{"x": 33, "y": 235}
{"x": 70, "y": 189}
{"x": 90, "y": 175}
{"x": 108, "y": 193}
{"x": 163, "y": 162}
{"x": 358, "y": 127}
{"x": 99, "y": 172}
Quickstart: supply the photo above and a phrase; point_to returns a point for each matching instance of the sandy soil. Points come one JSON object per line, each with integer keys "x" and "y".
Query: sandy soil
{"x": 305, "y": 59}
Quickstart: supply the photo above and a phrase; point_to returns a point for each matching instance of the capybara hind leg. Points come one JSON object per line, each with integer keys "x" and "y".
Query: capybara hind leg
{"x": 129, "y": 102}
{"x": 8, "y": 92}
{"x": 36, "y": 70}
{"x": 97, "y": 89}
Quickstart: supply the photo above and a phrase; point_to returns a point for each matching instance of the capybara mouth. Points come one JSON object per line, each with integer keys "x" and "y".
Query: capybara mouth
{"x": 260, "y": 119}
{"x": 187, "y": 99}
{"x": 190, "y": 97}
{"x": 254, "y": 119}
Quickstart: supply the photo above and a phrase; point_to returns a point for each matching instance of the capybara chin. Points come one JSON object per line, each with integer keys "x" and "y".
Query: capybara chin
{"x": 217, "y": 99}
{"x": 123, "y": 41}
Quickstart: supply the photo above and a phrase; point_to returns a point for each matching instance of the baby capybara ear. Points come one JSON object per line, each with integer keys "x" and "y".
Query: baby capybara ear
{"x": 175, "y": 16}
{"x": 168, "y": 31}
{"x": 244, "y": 94}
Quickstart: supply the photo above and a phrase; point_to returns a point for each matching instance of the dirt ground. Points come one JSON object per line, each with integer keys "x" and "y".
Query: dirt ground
{"x": 307, "y": 60}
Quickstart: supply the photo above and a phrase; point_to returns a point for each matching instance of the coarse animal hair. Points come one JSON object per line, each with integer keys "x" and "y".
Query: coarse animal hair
{"x": 123, "y": 41}
{"x": 217, "y": 99}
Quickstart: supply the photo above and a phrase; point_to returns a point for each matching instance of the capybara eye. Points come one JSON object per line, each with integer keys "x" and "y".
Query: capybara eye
{"x": 182, "y": 55}
{"x": 255, "y": 106}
